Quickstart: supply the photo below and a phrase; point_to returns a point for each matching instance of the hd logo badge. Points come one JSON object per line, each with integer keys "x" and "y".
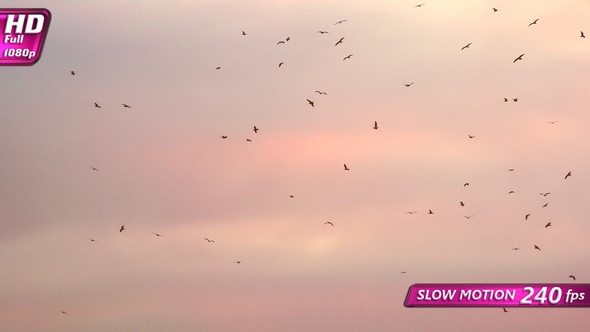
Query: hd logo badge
{"x": 22, "y": 35}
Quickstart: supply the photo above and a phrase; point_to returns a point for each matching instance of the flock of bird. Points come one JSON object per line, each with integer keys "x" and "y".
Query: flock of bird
{"x": 375, "y": 126}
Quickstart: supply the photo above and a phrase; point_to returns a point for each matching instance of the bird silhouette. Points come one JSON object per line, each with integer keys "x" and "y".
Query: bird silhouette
{"x": 544, "y": 194}
{"x": 97, "y": 105}
{"x": 466, "y": 46}
{"x": 552, "y": 122}
{"x": 495, "y": 9}
{"x": 281, "y": 42}
{"x": 348, "y": 57}
{"x": 420, "y": 5}
{"x": 223, "y": 137}
{"x": 412, "y": 212}
{"x": 572, "y": 276}
{"x": 466, "y": 184}
{"x": 468, "y": 217}
{"x": 505, "y": 100}
{"x": 515, "y": 248}
{"x": 341, "y": 21}
{"x": 568, "y": 174}
{"x": 92, "y": 240}
{"x": 310, "y": 102}
{"x": 515, "y": 100}
{"x": 122, "y": 228}
{"x": 328, "y": 223}
{"x": 511, "y": 192}
{"x": 545, "y": 205}
{"x": 125, "y": 105}
{"x": 504, "y": 309}
{"x": 548, "y": 224}
{"x": 280, "y": 64}
{"x": 534, "y": 22}
{"x": 238, "y": 262}
{"x": 537, "y": 247}
{"x": 511, "y": 170}
{"x": 217, "y": 68}
{"x": 243, "y": 33}
{"x": 255, "y": 130}
{"x": 526, "y": 217}
{"x": 63, "y": 312}
{"x": 291, "y": 196}
{"x": 518, "y": 58}
{"x": 321, "y": 92}
{"x": 461, "y": 203}
{"x": 581, "y": 35}
{"x": 339, "y": 41}
{"x": 157, "y": 234}
{"x": 209, "y": 240}
{"x": 322, "y": 32}
{"x": 287, "y": 39}
{"x": 375, "y": 126}
{"x": 248, "y": 140}
{"x": 471, "y": 136}
{"x": 346, "y": 168}
{"x": 73, "y": 73}
{"x": 94, "y": 169}
{"x": 407, "y": 85}
{"x": 430, "y": 212}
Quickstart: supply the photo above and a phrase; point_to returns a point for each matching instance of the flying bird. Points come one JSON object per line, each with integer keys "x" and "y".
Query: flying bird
{"x": 310, "y": 102}
{"x": 291, "y": 196}
{"x": 63, "y": 312}
{"x": 339, "y": 22}
{"x": 328, "y": 223}
{"x": 511, "y": 192}
{"x": 346, "y": 168}
{"x": 504, "y": 309}
{"x": 572, "y": 276}
{"x": 548, "y": 224}
{"x": 515, "y": 100}
{"x": 518, "y": 58}
{"x": 288, "y": 38}
{"x": 534, "y": 22}
{"x": 412, "y": 212}
{"x": 466, "y": 184}
{"x": 495, "y": 9}
{"x": 248, "y": 140}
{"x": 281, "y": 42}
{"x": 280, "y": 64}
{"x": 217, "y": 68}
{"x": 339, "y": 41}
{"x": 461, "y": 203}
{"x": 208, "y": 240}
{"x": 223, "y": 137}
{"x": 157, "y": 234}
{"x": 471, "y": 136}
{"x": 537, "y": 247}
{"x": 255, "y": 129}
{"x": 468, "y": 217}
{"x": 243, "y": 33}
{"x": 238, "y": 262}
{"x": 544, "y": 194}
{"x": 321, "y": 92}
{"x": 420, "y": 5}
{"x": 322, "y": 32}
{"x": 97, "y": 105}
{"x": 526, "y": 217}
{"x": 348, "y": 57}
{"x": 94, "y": 169}
{"x": 511, "y": 170}
{"x": 122, "y": 228}
{"x": 125, "y": 105}
{"x": 407, "y": 85}
{"x": 466, "y": 46}
{"x": 568, "y": 174}
{"x": 91, "y": 240}
{"x": 430, "y": 212}
{"x": 581, "y": 36}
{"x": 375, "y": 126}
{"x": 505, "y": 100}
{"x": 552, "y": 122}
{"x": 545, "y": 205}
{"x": 73, "y": 73}
{"x": 515, "y": 248}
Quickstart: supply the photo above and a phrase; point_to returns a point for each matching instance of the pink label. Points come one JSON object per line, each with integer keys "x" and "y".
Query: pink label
{"x": 498, "y": 295}
{"x": 22, "y": 35}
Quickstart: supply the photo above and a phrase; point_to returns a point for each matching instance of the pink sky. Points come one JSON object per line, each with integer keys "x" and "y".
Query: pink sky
{"x": 163, "y": 166}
